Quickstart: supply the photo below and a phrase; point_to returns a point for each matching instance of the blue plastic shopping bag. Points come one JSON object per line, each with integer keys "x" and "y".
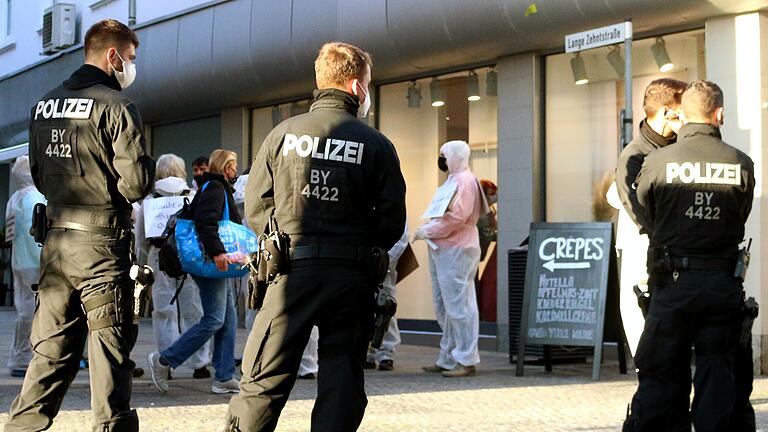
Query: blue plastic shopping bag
{"x": 238, "y": 242}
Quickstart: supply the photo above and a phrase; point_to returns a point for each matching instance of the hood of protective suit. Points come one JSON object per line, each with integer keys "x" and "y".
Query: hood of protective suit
{"x": 21, "y": 173}
{"x": 171, "y": 186}
{"x": 456, "y": 156}
{"x": 239, "y": 187}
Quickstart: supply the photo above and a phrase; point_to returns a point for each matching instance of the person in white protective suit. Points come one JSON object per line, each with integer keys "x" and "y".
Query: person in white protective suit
{"x": 170, "y": 321}
{"x": 25, "y": 262}
{"x": 454, "y": 255}
{"x": 309, "y": 359}
{"x": 632, "y": 248}
{"x": 385, "y": 355}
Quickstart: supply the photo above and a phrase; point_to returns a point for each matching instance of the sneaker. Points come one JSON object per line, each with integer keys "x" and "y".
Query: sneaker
{"x": 368, "y": 364}
{"x": 201, "y": 373}
{"x": 459, "y": 371}
{"x": 222, "y": 387}
{"x": 138, "y": 372}
{"x": 386, "y": 365}
{"x": 433, "y": 369}
{"x": 158, "y": 372}
{"x": 18, "y": 373}
{"x": 308, "y": 376}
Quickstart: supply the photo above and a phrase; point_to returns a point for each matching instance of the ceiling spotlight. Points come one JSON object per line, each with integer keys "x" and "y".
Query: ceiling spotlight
{"x": 659, "y": 50}
{"x": 490, "y": 83}
{"x": 414, "y": 95}
{"x": 616, "y": 60}
{"x": 473, "y": 87}
{"x": 436, "y": 93}
{"x": 578, "y": 69}
{"x": 277, "y": 116}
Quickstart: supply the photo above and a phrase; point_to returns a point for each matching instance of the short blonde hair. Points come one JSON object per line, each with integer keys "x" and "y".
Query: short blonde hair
{"x": 701, "y": 99}
{"x": 170, "y": 165}
{"x": 220, "y": 159}
{"x": 337, "y": 63}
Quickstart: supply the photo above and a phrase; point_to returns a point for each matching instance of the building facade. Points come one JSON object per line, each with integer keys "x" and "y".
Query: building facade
{"x": 223, "y": 73}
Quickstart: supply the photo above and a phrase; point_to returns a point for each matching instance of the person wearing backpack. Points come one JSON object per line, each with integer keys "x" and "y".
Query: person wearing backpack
{"x": 219, "y": 318}
{"x": 170, "y": 320}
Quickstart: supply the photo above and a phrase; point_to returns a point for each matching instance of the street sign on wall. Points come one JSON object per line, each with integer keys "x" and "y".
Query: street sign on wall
{"x": 598, "y": 37}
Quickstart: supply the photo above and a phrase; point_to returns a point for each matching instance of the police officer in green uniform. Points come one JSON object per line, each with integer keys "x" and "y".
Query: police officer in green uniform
{"x": 695, "y": 197}
{"x": 334, "y": 185}
{"x": 87, "y": 158}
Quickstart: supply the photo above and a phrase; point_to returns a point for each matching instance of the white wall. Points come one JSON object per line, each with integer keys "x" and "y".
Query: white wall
{"x": 28, "y": 20}
{"x": 413, "y": 131}
{"x": 737, "y": 61}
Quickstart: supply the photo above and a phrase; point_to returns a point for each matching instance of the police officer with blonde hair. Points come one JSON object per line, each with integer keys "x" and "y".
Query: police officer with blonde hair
{"x": 334, "y": 187}
{"x": 86, "y": 152}
{"x": 695, "y": 197}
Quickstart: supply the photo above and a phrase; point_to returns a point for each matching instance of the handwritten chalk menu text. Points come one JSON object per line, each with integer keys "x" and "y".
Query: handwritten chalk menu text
{"x": 566, "y": 283}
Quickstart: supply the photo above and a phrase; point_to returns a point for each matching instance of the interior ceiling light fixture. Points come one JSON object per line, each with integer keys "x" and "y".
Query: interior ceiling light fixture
{"x": 616, "y": 60}
{"x": 414, "y": 95}
{"x": 436, "y": 93}
{"x": 659, "y": 50}
{"x": 473, "y": 87}
{"x": 578, "y": 69}
{"x": 490, "y": 83}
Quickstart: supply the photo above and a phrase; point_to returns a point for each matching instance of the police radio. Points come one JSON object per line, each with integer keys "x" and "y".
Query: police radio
{"x": 742, "y": 262}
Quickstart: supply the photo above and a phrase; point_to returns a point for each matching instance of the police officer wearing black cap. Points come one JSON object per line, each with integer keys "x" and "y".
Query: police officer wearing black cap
{"x": 86, "y": 149}
{"x": 695, "y": 197}
{"x": 334, "y": 186}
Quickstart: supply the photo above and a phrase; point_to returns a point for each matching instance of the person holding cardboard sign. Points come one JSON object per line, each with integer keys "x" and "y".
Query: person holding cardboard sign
{"x": 454, "y": 256}
{"x": 169, "y": 320}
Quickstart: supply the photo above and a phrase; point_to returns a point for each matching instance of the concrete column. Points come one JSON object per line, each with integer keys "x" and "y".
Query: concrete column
{"x": 737, "y": 60}
{"x": 235, "y": 134}
{"x": 519, "y": 158}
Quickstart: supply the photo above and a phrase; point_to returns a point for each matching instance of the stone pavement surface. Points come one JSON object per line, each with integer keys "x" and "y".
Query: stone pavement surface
{"x": 402, "y": 400}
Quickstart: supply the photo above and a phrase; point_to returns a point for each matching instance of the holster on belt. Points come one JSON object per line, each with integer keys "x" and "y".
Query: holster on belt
{"x": 39, "y": 228}
{"x": 749, "y": 311}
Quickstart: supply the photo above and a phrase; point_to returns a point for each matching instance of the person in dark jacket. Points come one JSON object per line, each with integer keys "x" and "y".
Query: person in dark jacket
{"x": 219, "y": 318}
{"x": 334, "y": 186}
{"x": 695, "y": 198}
{"x": 86, "y": 152}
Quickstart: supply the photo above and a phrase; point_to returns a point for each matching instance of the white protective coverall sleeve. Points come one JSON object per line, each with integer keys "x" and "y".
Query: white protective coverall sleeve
{"x": 632, "y": 247}
{"x": 454, "y": 263}
{"x": 25, "y": 261}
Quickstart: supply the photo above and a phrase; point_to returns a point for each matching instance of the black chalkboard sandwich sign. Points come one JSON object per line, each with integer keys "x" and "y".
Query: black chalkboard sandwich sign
{"x": 566, "y": 284}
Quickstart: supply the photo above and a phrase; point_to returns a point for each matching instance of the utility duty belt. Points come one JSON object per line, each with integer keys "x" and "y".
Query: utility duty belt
{"x": 662, "y": 260}
{"x": 107, "y": 231}
{"x": 330, "y": 251}
{"x": 41, "y": 225}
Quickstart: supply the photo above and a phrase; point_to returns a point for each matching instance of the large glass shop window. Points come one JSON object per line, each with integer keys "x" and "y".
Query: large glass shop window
{"x": 583, "y": 101}
{"x": 418, "y": 117}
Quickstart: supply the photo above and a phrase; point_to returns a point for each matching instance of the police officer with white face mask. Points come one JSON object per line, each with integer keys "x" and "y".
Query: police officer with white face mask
{"x": 86, "y": 149}
{"x": 695, "y": 197}
{"x": 334, "y": 186}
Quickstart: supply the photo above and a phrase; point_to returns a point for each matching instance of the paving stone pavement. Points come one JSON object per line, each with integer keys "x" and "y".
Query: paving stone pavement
{"x": 402, "y": 400}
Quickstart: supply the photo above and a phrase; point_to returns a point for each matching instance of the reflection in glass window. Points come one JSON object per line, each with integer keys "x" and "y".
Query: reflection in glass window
{"x": 418, "y": 117}
{"x": 582, "y": 121}
{"x": 264, "y": 119}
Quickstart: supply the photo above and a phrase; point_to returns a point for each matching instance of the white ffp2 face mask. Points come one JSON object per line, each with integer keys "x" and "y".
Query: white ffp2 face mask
{"x": 365, "y": 105}
{"x": 127, "y": 76}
